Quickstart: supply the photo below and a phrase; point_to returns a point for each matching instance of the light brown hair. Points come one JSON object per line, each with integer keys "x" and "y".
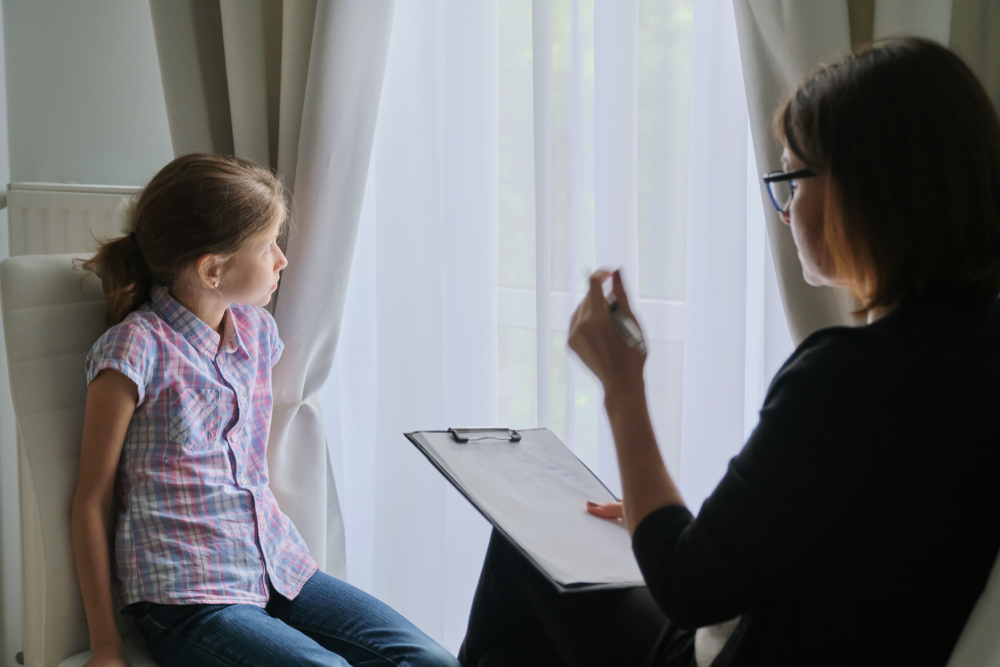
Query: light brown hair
{"x": 198, "y": 204}
{"x": 910, "y": 143}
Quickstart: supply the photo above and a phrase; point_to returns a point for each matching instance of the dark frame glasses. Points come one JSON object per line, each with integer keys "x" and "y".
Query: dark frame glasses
{"x": 784, "y": 177}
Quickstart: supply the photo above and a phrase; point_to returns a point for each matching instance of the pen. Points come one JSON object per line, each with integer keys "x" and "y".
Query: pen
{"x": 627, "y": 327}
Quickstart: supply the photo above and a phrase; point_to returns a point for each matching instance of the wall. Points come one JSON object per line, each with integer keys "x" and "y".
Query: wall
{"x": 82, "y": 102}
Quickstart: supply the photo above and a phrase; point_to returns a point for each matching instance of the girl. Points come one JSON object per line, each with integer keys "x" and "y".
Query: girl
{"x": 860, "y": 521}
{"x": 176, "y": 426}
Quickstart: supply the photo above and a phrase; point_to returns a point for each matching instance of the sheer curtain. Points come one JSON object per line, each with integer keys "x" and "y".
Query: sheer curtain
{"x": 519, "y": 145}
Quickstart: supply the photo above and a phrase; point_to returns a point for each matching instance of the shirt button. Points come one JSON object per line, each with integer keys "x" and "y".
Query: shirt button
{"x": 243, "y": 481}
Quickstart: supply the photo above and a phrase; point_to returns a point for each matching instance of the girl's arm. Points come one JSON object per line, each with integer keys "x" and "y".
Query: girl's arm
{"x": 111, "y": 400}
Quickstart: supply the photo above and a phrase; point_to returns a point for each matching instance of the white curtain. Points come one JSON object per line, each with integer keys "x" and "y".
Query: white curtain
{"x": 716, "y": 297}
{"x": 419, "y": 349}
{"x": 521, "y": 143}
{"x": 295, "y": 85}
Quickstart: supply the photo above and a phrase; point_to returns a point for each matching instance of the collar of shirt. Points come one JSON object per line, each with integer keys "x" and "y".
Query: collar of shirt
{"x": 189, "y": 325}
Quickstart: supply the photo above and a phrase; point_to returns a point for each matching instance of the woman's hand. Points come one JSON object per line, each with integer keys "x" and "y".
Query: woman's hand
{"x": 613, "y": 511}
{"x": 597, "y": 341}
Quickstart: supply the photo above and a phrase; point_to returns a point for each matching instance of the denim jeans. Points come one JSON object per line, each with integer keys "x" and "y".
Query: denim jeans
{"x": 328, "y": 623}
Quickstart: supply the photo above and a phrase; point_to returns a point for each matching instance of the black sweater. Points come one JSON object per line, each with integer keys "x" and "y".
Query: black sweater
{"x": 861, "y": 519}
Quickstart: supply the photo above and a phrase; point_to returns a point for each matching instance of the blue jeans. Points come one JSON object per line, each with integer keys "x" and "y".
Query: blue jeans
{"x": 328, "y": 623}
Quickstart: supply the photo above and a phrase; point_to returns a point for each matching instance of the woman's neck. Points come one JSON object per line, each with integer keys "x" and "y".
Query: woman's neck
{"x": 879, "y": 312}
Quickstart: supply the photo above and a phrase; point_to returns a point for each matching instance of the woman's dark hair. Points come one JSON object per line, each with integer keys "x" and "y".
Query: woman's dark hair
{"x": 196, "y": 205}
{"x": 910, "y": 143}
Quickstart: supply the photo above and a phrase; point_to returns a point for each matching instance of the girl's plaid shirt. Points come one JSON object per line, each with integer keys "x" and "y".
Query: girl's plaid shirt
{"x": 197, "y": 522}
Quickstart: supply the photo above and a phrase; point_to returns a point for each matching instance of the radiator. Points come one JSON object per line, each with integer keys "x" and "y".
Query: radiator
{"x": 57, "y": 218}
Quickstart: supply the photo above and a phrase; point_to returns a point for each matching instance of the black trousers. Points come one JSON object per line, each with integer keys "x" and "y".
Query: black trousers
{"x": 519, "y": 619}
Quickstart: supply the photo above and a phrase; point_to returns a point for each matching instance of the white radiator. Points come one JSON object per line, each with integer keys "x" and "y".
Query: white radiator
{"x": 56, "y": 218}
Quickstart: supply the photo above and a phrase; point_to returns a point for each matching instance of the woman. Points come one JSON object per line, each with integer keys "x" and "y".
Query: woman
{"x": 860, "y": 521}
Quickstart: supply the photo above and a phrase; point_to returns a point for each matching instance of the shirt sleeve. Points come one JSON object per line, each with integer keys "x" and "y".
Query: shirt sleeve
{"x": 127, "y": 348}
{"x": 808, "y": 458}
{"x": 276, "y": 345}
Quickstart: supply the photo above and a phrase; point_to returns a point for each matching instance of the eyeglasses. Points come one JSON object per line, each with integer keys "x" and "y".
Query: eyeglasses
{"x": 781, "y": 186}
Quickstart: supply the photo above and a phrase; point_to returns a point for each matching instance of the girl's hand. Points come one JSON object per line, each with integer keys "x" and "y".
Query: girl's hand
{"x": 597, "y": 341}
{"x": 108, "y": 659}
{"x": 614, "y": 511}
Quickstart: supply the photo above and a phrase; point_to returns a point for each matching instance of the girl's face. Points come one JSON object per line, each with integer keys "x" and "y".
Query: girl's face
{"x": 252, "y": 274}
{"x": 805, "y": 217}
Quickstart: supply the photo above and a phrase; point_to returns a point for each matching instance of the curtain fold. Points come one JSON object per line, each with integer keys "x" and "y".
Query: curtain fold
{"x": 192, "y": 58}
{"x": 294, "y": 85}
{"x": 975, "y": 35}
{"x": 251, "y": 40}
{"x": 925, "y": 18}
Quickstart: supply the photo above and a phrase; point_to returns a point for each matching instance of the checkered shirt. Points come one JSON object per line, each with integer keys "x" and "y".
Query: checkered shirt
{"x": 197, "y": 522}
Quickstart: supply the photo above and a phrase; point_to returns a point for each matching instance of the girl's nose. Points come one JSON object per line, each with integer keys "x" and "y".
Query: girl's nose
{"x": 283, "y": 262}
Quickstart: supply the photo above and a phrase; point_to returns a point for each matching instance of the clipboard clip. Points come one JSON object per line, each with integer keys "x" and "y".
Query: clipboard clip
{"x": 468, "y": 434}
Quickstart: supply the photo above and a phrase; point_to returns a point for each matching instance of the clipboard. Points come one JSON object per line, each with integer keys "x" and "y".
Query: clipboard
{"x": 533, "y": 489}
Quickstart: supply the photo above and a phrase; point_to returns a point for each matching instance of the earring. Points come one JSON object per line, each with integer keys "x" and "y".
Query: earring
{"x": 216, "y": 283}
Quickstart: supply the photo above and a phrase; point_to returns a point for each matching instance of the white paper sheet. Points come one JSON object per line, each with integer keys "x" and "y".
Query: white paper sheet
{"x": 536, "y": 490}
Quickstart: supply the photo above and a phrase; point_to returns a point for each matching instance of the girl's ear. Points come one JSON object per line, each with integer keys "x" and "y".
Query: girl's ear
{"x": 209, "y": 270}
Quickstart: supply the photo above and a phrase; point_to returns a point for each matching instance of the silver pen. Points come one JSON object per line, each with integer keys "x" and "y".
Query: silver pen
{"x": 627, "y": 326}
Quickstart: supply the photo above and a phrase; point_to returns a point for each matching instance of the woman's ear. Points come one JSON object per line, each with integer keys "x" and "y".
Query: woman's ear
{"x": 209, "y": 270}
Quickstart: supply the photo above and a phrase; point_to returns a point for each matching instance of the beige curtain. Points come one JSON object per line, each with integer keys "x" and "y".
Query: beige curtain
{"x": 781, "y": 41}
{"x": 294, "y": 85}
{"x": 975, "y": 35}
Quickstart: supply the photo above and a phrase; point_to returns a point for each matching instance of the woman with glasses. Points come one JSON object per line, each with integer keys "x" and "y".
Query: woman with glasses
{"x": 860, "y": 521}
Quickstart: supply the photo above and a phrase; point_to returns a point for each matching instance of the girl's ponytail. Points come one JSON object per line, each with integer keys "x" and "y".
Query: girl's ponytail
{"x": 124, "y": 274}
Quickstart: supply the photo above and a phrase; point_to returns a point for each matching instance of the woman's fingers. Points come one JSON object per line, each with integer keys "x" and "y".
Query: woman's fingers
{"x": 618, "y": 289}
{"x": 606, "y": 510}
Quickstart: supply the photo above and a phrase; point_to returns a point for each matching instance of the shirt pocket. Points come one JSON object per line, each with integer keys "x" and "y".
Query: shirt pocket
{"x": 194, "y": 416}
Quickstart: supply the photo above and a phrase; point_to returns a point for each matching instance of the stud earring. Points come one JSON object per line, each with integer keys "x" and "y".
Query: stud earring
{"x": 216, "y": 283}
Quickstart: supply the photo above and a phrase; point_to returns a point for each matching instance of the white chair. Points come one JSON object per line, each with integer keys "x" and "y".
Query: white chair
{"x": 52, "y": 314}
{"x": 979, "y": 643}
